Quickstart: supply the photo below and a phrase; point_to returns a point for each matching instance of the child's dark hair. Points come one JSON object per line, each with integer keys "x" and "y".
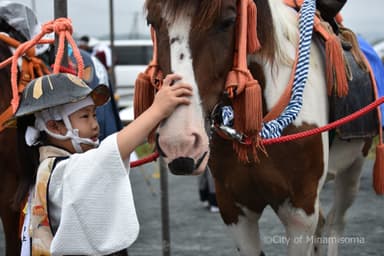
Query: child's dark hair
{"x": 29, "y": 163}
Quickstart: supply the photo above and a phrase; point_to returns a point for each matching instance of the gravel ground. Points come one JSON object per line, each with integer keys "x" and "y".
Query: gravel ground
{"x": 196, "y": 231}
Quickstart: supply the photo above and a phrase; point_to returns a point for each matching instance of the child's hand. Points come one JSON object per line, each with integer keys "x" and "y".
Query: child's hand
{"x": 171, "y": 95}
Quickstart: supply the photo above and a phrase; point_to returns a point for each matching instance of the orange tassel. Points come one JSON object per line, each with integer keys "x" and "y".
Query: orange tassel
{"x": 144, "y": 94}
{"x": 253, "y": 43}
{"x": 253, "y": 107}
{"x": 335, "y": 67}
{"x": 378, "y": 170}
{"x": 241, "y": 152}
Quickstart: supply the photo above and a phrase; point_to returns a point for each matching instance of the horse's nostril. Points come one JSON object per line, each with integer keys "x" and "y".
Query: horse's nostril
{"x": 182, "y": 166}
{"x": 196, "y": 140}
{"x": 158, "y": 148}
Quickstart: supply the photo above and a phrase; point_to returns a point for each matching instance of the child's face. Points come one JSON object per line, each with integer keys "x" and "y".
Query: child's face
{"x": 85, "y": 120}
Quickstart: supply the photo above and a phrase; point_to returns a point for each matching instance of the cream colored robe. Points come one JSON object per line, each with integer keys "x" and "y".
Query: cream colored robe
{"x": 91, "y": 206}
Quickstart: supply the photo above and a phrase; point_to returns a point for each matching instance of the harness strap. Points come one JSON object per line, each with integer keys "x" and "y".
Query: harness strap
{"x": 241, "y": 87}
{"x": 284, "y": 99}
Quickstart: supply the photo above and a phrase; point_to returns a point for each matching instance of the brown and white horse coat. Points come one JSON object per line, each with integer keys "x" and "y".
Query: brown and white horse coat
{"x": 196, "y": 40}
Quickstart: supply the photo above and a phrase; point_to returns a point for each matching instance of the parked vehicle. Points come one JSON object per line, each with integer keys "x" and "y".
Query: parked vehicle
{"x": 130, "y": 58}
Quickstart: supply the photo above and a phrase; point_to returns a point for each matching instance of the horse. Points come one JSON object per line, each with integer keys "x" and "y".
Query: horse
{"x": 10, "y": 166}
{"x": 197, "y": 40}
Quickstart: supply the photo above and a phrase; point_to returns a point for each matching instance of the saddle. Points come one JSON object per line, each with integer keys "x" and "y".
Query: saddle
{"x": 360, "y": 90}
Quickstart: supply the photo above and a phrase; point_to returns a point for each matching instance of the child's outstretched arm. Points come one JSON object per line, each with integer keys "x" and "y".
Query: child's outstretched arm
{"x": 165, "y": 102}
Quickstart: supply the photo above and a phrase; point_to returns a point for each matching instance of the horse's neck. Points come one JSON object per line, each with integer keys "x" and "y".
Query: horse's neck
{"x": 278, "y": 69}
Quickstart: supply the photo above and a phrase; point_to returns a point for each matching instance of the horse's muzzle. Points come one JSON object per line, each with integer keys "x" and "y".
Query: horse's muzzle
{"x": 185, "y": 165}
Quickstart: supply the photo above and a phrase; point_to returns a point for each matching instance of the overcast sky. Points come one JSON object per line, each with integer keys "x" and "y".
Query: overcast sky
{"x": 92, "y": 16}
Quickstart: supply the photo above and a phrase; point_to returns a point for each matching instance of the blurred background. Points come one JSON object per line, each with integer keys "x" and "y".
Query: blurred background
{"x": 364, "y": 17}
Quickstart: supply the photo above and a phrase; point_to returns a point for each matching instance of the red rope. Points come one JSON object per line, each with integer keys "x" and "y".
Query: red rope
{"x": 144, "y": 160}
{"x": 63, "y": 28}
{"x": 327, "y": 127}
{"x": 300, "y": 135}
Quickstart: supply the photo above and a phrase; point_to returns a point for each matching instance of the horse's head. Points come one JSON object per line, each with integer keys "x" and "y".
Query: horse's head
{"x": 196, "y": 40}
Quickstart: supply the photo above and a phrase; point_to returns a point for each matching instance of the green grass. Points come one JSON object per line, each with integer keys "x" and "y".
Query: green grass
{"x": 144, "y": 150}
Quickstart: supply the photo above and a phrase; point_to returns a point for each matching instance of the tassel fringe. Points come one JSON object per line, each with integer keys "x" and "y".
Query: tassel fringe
{"x": 246, "y": 151}
{"x": 378, "y": 170}
{"x": 144, "y": 94}
{"x": 335, "y": 67}
{"x": 253, "y": 43}
{"x": 253, "y": 107}
{"x": 248, "y": 119}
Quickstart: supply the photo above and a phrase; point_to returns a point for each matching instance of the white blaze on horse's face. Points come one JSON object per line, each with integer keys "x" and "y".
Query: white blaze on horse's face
{"x": 182, "y": 138}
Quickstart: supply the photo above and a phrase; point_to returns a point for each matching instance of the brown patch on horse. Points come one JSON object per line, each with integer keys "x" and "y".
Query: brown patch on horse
{"x": 288, "y": 172}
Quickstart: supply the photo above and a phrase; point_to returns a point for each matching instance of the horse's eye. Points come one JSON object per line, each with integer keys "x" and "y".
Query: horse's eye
{"x": 227, "y": 23}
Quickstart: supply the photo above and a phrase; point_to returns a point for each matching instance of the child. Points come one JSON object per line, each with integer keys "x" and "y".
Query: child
{"x": 82, "y": 201}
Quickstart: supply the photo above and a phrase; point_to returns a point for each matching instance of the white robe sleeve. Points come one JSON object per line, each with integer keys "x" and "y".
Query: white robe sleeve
{"x": 90, "y": 198}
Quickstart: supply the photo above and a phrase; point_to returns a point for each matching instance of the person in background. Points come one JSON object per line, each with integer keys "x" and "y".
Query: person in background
{"x": 84, "y": 185}
{"x": 100, "y": 50}
{"x": 83, "y": 43}
{"x": 207, "y": 191}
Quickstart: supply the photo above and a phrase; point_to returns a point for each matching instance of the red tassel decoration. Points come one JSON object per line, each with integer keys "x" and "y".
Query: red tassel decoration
{"x": 335, "y": 67}
{"x": 144, "y": 94}
{"x": 253, "y": 43}
{"x": 253, "y": 107}
{"x": 378, "y": 170}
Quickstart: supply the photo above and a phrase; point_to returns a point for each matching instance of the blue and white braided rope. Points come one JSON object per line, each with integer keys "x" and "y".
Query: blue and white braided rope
{"x": 274, "y": 128}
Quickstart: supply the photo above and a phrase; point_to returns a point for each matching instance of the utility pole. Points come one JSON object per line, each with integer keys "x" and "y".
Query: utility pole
{"x": 112, "y": 44}
{"x": 61, "y": 11}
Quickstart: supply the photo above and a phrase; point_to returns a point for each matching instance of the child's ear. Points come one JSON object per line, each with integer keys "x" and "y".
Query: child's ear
{"x": 53, "y": 126}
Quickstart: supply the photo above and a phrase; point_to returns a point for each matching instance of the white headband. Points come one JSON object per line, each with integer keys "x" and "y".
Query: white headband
{"x": 56, "y": 113}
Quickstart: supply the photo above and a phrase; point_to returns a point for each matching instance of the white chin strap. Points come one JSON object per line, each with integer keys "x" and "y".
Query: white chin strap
{"x": 72, "y": 134}
{"x": 60, "y": 113}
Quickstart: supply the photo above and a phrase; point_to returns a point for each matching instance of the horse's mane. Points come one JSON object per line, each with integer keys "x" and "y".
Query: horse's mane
{"x": 283, "y": 21}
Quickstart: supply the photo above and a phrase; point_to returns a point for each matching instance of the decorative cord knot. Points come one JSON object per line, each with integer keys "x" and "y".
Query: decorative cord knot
{"x": 63, "y": 28}
{"x": 62, "y": 24}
